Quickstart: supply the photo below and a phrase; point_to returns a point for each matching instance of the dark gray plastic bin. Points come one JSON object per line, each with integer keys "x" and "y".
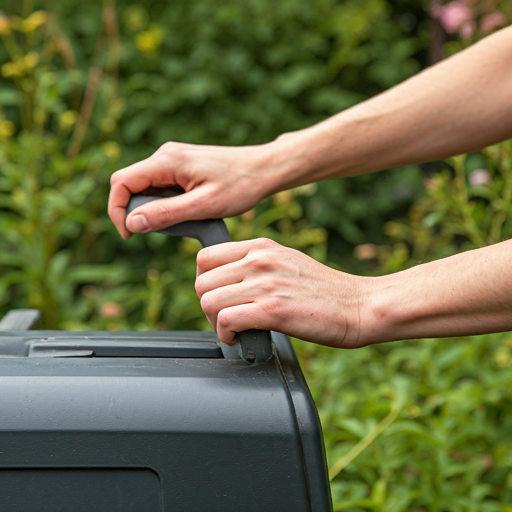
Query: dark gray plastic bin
{"x": 147, "y": 422}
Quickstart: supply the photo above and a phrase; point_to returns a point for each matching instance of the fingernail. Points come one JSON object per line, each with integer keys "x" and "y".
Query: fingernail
{"x": 138, "y": 224}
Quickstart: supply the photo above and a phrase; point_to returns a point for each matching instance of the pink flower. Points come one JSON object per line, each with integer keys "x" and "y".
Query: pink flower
{"x": 453, "y": 16}
{"x": 365, "y": 252}
{"x": 111, "y": 310}
{"x": 491, "y": 21}
{"x": 429, "y": 183}
{"x": 467, "y": 29}
{"x": 479, "y": 177}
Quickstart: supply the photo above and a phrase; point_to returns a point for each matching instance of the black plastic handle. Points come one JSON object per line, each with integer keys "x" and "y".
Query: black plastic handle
{"x": 255, "y": 345}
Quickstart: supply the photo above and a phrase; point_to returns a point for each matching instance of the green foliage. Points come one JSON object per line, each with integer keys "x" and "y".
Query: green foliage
{"x": 447, "y": 447}
{"x": 231, "y": 72}
{"x": 466, "y": 206}
{"x": 87, "y": 88}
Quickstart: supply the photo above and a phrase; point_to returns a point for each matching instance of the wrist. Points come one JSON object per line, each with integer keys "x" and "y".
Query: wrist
{"x": 334, "y": 148}
{"x": 288, "y": 162}
{"x": 413, "y": 304}
{"x": 354, "y": 321}
{"x": 388, "y": 313}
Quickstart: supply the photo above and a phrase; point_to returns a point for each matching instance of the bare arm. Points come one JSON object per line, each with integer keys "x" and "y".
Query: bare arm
{"x": 460, "y": 105}
{"x": 260, "y": 284}
{"x": 465, "y": 294}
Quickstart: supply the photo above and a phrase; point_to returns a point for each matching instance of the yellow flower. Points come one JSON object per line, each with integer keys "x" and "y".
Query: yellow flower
{"x": 21, "y": 66}
{"x": 6, "y": 129}
{"x": 30, "y": 60}
{"x": 5, "y": 25}
{"x": 11, "y": 70}
{"x": 34, "y": 21}
{"x": 112, "y": 150}
{"x": 284, "y": 197}
{"x": 68, "y": 118}
{"x": 502, "y": 357}
{"x": 150, "y": 40}
{"x": 135, "y": 18}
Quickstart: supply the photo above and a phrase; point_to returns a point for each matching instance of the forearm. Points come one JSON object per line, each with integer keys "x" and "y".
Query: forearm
{"x": 466, "y": 294}
{"x": 460, "y": 105}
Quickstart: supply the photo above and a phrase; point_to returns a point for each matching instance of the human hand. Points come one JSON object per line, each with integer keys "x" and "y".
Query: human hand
{"x": 259, "y": 284}
{"x": 218, "y": 181}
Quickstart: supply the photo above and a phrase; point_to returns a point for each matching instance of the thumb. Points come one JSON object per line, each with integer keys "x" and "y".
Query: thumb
{"x": 165, "y": 212}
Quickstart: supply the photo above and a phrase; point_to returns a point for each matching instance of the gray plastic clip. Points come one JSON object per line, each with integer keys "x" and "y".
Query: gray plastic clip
{"x": 20, "y": 320}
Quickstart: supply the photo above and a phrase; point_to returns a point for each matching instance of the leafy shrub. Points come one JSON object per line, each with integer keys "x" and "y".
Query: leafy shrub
{"x": 85, "y": 90}
{"x": 420, "y": 425}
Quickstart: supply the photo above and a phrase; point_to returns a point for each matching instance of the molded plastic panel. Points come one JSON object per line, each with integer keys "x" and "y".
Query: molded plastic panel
{"x": 85, "y": 347}
{"x": 81, "y": 490}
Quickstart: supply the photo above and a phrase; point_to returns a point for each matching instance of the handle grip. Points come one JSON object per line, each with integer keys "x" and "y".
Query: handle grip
{"x": 255, "y": 345}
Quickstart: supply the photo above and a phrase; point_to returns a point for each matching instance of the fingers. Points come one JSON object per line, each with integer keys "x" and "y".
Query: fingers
{"x": 223, "y": 254}
{"x": 227, "y": 296}
{"x": 219, "y": 277}
{"x": 218, "y": 181}
{"x": 166, "y": 212}
{"x": 240, "y": 318}
{"x": 215, "y": 256}
{"x": 131, "y": 180}
{"x": 272, "y": 299}
{"x": 237, "y": 273}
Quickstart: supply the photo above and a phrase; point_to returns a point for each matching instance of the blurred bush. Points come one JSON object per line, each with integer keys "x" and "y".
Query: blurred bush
{"x": 89, "y": 87}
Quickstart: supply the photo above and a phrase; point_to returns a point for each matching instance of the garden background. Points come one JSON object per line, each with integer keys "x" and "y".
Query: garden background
{"x": 87, "y": 88}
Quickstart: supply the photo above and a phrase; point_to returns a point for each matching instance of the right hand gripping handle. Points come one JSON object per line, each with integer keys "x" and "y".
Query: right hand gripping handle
{"x": 255, "y": 345}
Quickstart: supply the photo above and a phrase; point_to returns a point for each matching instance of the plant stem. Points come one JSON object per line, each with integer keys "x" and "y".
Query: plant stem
{"x": 80, "y": 130}
{"x": 501, "y": 215}
{"x": 367, "y": 440}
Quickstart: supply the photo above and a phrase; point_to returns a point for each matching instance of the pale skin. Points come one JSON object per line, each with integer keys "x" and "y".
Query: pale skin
{"x": 461, "y": 105}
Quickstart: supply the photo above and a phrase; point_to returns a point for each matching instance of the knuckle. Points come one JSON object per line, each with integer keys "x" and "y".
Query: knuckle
{"x": 173, "y": 157}
{"x": 167, "y": 147}
{"x": 226, "y": 337}
{"x": 224, "y": 319}
{"x": 200, "y": 286}
{"x": 162, "y": 211}
{"x": 258, "y": 263}
{"x": 202, "y": 258}
{"x": 265, "y": 243}
{"x": 173, "y": 150}
{"x": 273, "y": 306}
{"x": 116, "y": 178}
{"x": 267, "y": 286}
{"x": 207, "y": 304}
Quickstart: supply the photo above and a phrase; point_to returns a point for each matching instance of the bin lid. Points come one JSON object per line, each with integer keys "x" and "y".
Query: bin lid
{"x": 109, "y": 344}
